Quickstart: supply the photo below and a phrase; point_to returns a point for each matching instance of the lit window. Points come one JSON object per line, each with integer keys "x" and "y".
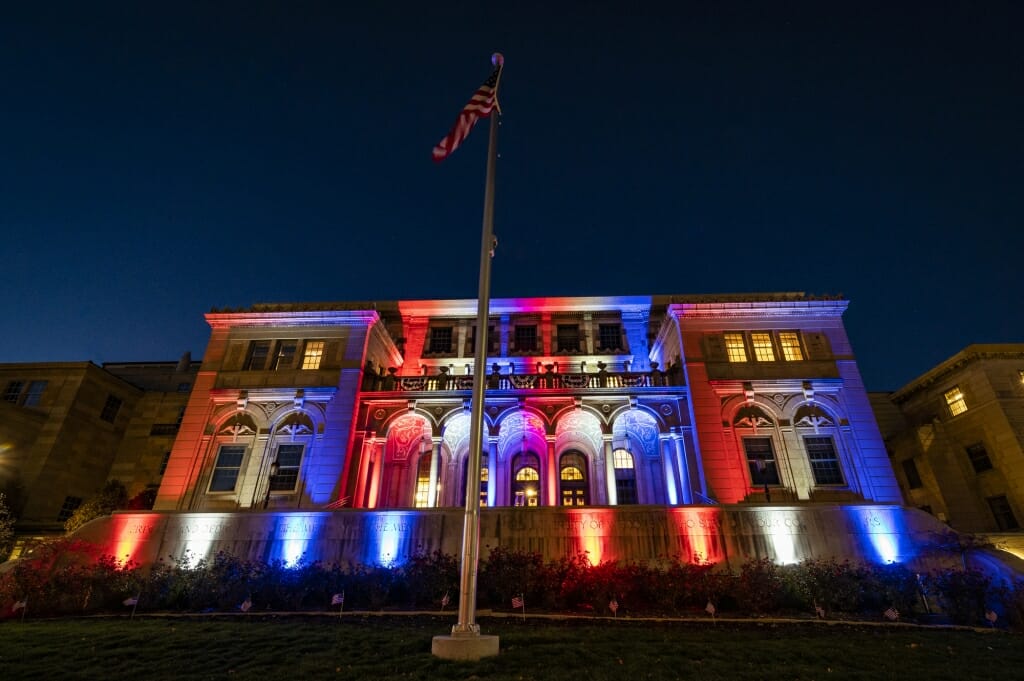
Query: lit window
{"x": 284, "y": 358}
{"x": 13, "y": 391}
{"x": 955, "y": 401}
{"x": 225, "y": 471}
{"x": 525, "y": 482}
{"x": 789, "y": 341}
{"x": 483, "y": 479}
{"x": 821, "y": 452}
{"x": 110, "y": 409}
{"x": 440, "y": 340}
{"x": 422, "y": 497}
{"x": 527, "y": 474}
{"x": 572, "y": 473}
{"x": 573, "y": 479}
{"x": 288, "y": 459}
{"x": 762, "y": 343}
{"x": 313, "y": 354}
{"x": 256, "y": 360}
{"x": 625, "y": 477}
{"x": 735, "y": 348}
{"x": 34, "y": 393}
{"x": 978, "y": 456}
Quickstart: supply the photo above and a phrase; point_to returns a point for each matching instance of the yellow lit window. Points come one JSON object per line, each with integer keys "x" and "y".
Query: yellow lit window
{"x": 955, "y": 401}
{"x": 422, "y": 497}
{"x": 789, "y": 341}
{"x": 762, "y": 343}
{"x": 735, "y": 348}
{"x": 313, "y": 354}
{"x": 572, "y": 473}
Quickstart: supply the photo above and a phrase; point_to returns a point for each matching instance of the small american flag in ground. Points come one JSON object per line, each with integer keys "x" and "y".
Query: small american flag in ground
{"x": 338, "y": 599}
{"x": 613, "y": 605}
{"x": 133, "y": 600}
{"x": 479, "y": 106}
{"x": 19, "y": 605}
{"x": 246, "y": 605}
{"x": 517, "y": 601}
{"x": 445, "y": 600}
{"x": 892, "y": 614}
{"x": 710, "y": 608}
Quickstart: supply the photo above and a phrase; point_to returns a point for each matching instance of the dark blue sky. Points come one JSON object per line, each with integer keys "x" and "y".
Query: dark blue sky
{"x": 157, "y": 162}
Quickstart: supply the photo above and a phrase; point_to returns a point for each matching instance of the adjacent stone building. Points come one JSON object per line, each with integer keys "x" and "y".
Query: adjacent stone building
{"x": 956, "y": 438}
{"x": 68, "y": 427}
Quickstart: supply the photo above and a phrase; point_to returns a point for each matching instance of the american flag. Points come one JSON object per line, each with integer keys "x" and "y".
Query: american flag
{"x": 19, "y": 605}
{"x": 479, "y": 106}
{"x": 246, "y": 605}
{"x": 338, "y": 599}
{"x": 131, "y": 600}
{"x": 613, "y": 605}
{"x": 517, "y": 602}
{"x": 445, "y": 600}
{"x": 710, "y": 608}
{"x": 892, "y": 614}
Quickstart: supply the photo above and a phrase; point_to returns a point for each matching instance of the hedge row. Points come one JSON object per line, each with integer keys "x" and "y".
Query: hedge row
{"x": 67, "y": 577}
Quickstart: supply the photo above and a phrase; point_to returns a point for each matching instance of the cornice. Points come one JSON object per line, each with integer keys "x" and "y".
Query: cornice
{"x": 967, "y": 356}
{"x": 331, "y": 317}
{"x": 734, "y": 309}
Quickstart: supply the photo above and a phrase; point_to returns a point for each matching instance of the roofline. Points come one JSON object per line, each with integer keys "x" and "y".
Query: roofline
{"x": 970, "y": 354}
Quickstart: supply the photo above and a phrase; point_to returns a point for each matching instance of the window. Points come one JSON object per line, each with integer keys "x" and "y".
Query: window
{"x": 110, "y": 409}
{"x": 913, "y": 477}
{"x": 163, "y": 463}
{"x": 422, "y": 497}
{"x": 493, "y": 339}
{"x": 526, "y": 480}
{"x": 184, "y": 387}
{"x": 761, "y": 460}
{"x": 609, "y": 337}
{"x": 789, "y": 342}
{"x": 526, "y": 338}
{"x": 762, "y": 343}
{"x": 625, "y": 477}
{"x": 284, "y": 357}
{"x": 225, "y": 471}
{"x": 13, "y": 391}
{"x": 313, "y": 354}
{"x": 568, "y": 339}
{"x": 1003, "y": 513}
{"x": 288, "y": 459}
{"x": 573, "y": 477}
{"x": 440, "y": 340}
{"x": 821, "y": 451}
{"x": 69, "y": 506}
{"x": 256, "y": 360}
{"x": 484, "y": 476}
{"x": 735, "y": 348}
{"x": 34, "y": 393}
{"x": 979, "y": 458}
{"x": 955, "y": 401}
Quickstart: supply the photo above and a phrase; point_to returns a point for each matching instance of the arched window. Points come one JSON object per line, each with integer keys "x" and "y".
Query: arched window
{"x": 573, "y": 479}
{"x": 526, "y": 480}
{"x": 422, "y": 497}
{"x": 625, "y": 477}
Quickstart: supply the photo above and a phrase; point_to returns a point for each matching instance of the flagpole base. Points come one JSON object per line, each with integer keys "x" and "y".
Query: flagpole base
{"x": 466, "y": 647}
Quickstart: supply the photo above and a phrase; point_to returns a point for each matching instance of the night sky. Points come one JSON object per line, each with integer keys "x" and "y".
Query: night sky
{"x": 156, "y": 162}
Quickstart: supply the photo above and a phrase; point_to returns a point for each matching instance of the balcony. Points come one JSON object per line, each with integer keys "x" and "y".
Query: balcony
{"x": 547, "y": 379}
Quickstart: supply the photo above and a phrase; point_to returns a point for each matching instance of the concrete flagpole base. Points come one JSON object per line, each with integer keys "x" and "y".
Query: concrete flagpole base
{"x": 466, "y": 648}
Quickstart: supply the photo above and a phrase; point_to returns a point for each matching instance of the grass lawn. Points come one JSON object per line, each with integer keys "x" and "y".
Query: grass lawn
{"x": 374, "y": 647}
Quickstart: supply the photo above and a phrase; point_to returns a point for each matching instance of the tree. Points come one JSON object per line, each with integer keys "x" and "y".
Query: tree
{"x": 112, "y": 497}
{"x": 6, "y": 529}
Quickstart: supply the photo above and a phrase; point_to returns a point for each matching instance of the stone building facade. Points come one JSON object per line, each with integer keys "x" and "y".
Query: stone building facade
{"x": 68, "y": 427}
{"x": 597, "y": 401}
{"x": 956, "y": 437}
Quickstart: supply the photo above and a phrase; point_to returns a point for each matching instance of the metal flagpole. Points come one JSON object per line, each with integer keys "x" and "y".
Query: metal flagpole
{"x": 466, "y": 628}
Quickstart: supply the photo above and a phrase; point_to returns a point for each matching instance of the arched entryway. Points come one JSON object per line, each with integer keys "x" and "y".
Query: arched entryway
{"x": 572, "y": 479}
{"x": 526, "y": 487}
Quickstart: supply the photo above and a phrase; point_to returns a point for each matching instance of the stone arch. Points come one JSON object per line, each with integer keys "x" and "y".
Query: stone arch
{"x": 637, "y": 431}
{"x": 405, "y": 434}
{"x": 578, "y": 429}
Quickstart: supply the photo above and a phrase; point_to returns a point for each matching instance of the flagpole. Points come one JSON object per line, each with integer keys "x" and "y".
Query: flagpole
{"x": 466, "y": 642}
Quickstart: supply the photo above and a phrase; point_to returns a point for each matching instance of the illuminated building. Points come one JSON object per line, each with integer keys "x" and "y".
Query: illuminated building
{"x": 591, "y": 402}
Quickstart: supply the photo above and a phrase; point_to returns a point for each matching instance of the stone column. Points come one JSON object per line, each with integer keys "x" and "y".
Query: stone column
{"x": 365, "y": 455}
{"x": 492, "y": 472}
{"x": 609, "y": 467}
{"x": 671, "y": 485}
{"x": 376, "y": 463}
{"x": 552, "y": 466}
{"x": 686, "y": 489}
